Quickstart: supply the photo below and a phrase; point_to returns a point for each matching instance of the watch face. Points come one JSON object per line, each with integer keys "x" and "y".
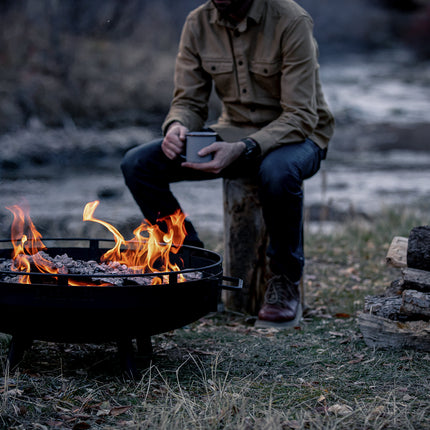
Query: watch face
{"x": 251, "y": 149}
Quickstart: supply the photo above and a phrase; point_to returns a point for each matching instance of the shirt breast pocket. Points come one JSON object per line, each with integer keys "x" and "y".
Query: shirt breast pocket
{"x": 222, "y": 73}
{"x": 266, "y": 78}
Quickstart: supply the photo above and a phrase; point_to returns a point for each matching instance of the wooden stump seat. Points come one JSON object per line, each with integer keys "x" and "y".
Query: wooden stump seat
{"x": 245, "y": 244}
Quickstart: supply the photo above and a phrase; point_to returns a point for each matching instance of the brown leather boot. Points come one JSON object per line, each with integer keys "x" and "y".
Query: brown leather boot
{"x": 282, "y": 307}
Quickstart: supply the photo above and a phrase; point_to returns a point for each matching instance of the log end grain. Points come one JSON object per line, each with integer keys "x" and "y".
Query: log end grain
{"x": 397, "y": 252}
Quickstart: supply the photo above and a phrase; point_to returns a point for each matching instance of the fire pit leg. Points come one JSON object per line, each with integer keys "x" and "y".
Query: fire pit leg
{"x": 17, "y": 348}
{"x": 126, "y": 356}
{"x": 144, "y": 347}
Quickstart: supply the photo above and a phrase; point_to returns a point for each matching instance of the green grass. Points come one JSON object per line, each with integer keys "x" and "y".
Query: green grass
{"x": 222, "y": 373}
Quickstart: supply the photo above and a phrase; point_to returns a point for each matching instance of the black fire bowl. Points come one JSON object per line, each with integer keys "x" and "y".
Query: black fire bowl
{"x": 100, "y": 314}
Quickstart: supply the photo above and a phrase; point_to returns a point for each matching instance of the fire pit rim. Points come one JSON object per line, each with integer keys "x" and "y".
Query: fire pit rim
{"x": 94, "y": 246}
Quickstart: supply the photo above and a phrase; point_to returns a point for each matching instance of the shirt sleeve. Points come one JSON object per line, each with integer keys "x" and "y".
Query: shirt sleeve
{"x": 193, "y": 85}
{"x": 298, "y": 101}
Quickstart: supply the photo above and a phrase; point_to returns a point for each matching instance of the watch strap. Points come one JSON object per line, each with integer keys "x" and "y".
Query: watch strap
{"x": 252, "y": 149}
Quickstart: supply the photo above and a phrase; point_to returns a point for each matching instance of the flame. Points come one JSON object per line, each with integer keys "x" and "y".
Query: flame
{"x": 27, "y": 245}
{"x": 145, "y": 253}
{"x": 148, "y": 252}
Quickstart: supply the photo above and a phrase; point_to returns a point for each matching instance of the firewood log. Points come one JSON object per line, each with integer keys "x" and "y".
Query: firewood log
{"x": 418, "y": 254}
{"x": 414, "y": 279}
{"x": 383, "y": 306}
{"x": 384, "y": 333}
{"x": 396, "y": 288}
{"x": 396, "y": 255}
{"x": 416, "y": 304}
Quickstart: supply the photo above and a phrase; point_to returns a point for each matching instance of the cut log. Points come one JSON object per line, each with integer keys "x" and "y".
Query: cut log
{"x": 418, "y": 253}
{"x": 245, "y": 244}
{"x": 400, "y": 319}
{"x": 397, "y": 252}
{"x": 386, "y": 307}
{"x": 384, "y": 333}
{"x": 414, "y": 279}
{"x": 396, "y": 288}
{"x": 416, "y": 304}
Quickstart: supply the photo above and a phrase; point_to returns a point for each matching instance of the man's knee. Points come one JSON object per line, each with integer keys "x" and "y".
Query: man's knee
{"x": 128, "y": 162}
{"x": 139, "y": 158}
{"x": 279, "y": 176}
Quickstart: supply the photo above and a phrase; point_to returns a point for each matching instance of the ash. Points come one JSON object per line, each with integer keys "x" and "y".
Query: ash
{"x": 92, "y": 269}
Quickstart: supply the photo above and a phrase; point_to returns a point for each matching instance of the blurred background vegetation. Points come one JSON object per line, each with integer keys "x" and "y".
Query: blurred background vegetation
{"x": 109, "y": 63}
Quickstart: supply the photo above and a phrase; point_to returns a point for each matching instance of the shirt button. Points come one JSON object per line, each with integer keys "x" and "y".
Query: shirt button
{"x": 213, "y": 68}
{"x": 244, "y": 91}
{"x": 240, "y": 63}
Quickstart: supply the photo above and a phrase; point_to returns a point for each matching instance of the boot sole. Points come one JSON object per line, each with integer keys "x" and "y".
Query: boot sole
{"x": 281, "y": 325}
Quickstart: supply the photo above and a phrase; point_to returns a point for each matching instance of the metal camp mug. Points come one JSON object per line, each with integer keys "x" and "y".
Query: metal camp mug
{"x": 197, "y": 140}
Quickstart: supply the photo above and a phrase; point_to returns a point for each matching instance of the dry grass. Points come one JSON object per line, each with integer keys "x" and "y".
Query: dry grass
{"x": 222, "y": 373}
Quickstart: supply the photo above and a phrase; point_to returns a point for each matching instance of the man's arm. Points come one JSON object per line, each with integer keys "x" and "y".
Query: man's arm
{"x": 193, "y": 85}
{"x": 298, "y": 96}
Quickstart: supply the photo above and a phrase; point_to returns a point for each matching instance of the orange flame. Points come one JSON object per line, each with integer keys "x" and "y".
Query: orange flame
{"x": 27, "y": 244}
{"x": 148, "y": 252}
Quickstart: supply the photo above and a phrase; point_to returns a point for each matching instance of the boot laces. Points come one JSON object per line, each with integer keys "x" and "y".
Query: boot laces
{"x": 278, "y": 290}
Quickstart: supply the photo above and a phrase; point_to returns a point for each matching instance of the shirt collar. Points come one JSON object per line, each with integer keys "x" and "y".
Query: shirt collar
{"x": 254, "y": 13}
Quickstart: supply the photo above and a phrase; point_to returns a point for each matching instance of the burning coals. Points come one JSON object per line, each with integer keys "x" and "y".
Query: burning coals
{"x": 151, "y": 251}
{"x": 93, "y": 270}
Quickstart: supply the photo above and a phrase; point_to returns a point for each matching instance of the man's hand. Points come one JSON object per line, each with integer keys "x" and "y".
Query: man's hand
{"x": 224, "y": 154}
{"x": 174, "y": 141}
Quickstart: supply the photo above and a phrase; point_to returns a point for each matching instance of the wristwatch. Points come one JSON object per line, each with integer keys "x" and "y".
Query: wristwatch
{"x": 252, "y": 149}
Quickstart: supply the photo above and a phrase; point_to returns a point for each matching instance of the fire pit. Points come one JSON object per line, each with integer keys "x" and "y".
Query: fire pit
{"x": 88, "y": 308}
{"x": 49, "y": 309}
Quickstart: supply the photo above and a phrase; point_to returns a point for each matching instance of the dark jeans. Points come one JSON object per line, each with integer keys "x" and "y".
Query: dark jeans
{"x": 280, "y": 174}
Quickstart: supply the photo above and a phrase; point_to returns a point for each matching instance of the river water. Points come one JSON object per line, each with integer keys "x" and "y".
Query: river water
{"x": 379, "y": 156}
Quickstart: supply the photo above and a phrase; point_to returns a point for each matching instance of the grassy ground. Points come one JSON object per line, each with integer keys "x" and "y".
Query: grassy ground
{"x": 222, "y": 373}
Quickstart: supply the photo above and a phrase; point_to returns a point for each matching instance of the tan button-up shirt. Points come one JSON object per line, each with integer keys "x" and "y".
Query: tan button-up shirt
{"x": 264, "y": 70}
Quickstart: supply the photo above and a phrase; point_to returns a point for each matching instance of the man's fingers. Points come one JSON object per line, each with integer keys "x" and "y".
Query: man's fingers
{"x": 213, "y": 147}
{"x": 183, "y": 133}
{"x": 210, "y": 166}
{"x": 172, "y": 146}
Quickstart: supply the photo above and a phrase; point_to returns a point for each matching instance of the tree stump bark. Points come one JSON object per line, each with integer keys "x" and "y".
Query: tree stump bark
{"x": 418, "y": 254}
{"x": 245, "y": 244}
